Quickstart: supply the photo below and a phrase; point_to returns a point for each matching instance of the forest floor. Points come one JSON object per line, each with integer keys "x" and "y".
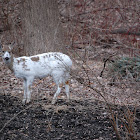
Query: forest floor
{"x": 86, "y": 116}
{"x": 41, "y": 120}
{"x": 74, "y": 120}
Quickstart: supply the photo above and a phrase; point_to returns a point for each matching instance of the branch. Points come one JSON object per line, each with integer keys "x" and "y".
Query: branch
{"x": 105, "y": 61}
{"x": 125, "y": 31}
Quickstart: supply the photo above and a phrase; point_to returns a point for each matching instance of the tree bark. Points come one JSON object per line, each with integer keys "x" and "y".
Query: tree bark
{"x": 42, "y": 31}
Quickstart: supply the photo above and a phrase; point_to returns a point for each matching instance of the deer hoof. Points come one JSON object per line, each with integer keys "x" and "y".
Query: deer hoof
{"x": 24, "y": 101}
{"x": 53, "y": 101}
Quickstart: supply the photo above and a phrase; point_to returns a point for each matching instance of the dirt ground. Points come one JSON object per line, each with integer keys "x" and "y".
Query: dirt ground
{"x": 40, "y": 120}
{"x": 85, "y": 117}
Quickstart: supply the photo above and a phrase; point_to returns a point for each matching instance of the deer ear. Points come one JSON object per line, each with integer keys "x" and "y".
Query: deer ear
{"x": 11, "y": 46}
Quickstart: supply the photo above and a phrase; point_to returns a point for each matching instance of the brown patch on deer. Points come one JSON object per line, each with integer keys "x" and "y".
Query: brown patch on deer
{"x": 36, "y": 59}
{"x": 21, "y": 60}
{"x": 18, "y": 61}
{"x": 67, "y": 82}
{"x": 45, "y": 56}
{"x": 24, "y": 63}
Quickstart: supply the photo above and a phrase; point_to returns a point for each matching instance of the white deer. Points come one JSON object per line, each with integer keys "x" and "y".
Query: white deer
{"x": 55, "y": 64}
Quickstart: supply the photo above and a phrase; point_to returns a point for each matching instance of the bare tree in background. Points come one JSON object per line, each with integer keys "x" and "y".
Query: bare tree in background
{"x": 42, "y": 31}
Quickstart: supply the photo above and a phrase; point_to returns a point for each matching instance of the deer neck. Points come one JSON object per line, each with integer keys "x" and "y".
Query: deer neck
{"x": 10, "y": 63}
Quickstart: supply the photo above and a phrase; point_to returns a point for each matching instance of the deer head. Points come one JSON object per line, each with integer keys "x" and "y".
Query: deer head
{"x": 6, "y": 53}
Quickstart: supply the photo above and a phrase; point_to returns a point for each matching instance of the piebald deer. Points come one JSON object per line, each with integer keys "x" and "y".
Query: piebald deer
{"x": 55, "y": 64}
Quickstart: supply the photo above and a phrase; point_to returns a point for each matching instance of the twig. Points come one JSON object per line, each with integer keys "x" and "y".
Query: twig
{"x": 105, "y": 61}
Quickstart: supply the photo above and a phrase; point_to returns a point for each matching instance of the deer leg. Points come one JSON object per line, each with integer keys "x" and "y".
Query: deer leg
{"x": 25, "y": 91}
{"x": 56, "y": 94}
{"x": 28, "y": 88}
{"x": 67, "y": 90}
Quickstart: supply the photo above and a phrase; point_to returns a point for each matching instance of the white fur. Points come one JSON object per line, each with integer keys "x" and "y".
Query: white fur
{"x": 55, "y": 64}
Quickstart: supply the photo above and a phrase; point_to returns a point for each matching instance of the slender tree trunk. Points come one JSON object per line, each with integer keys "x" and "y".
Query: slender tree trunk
{"x": 41, "y": 27}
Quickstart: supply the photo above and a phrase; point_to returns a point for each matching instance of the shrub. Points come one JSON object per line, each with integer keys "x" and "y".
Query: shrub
{"x": 126, "y": 67}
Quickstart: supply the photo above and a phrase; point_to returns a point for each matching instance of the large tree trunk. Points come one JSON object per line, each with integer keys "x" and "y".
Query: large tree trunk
{"x": 41, "y": 27}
